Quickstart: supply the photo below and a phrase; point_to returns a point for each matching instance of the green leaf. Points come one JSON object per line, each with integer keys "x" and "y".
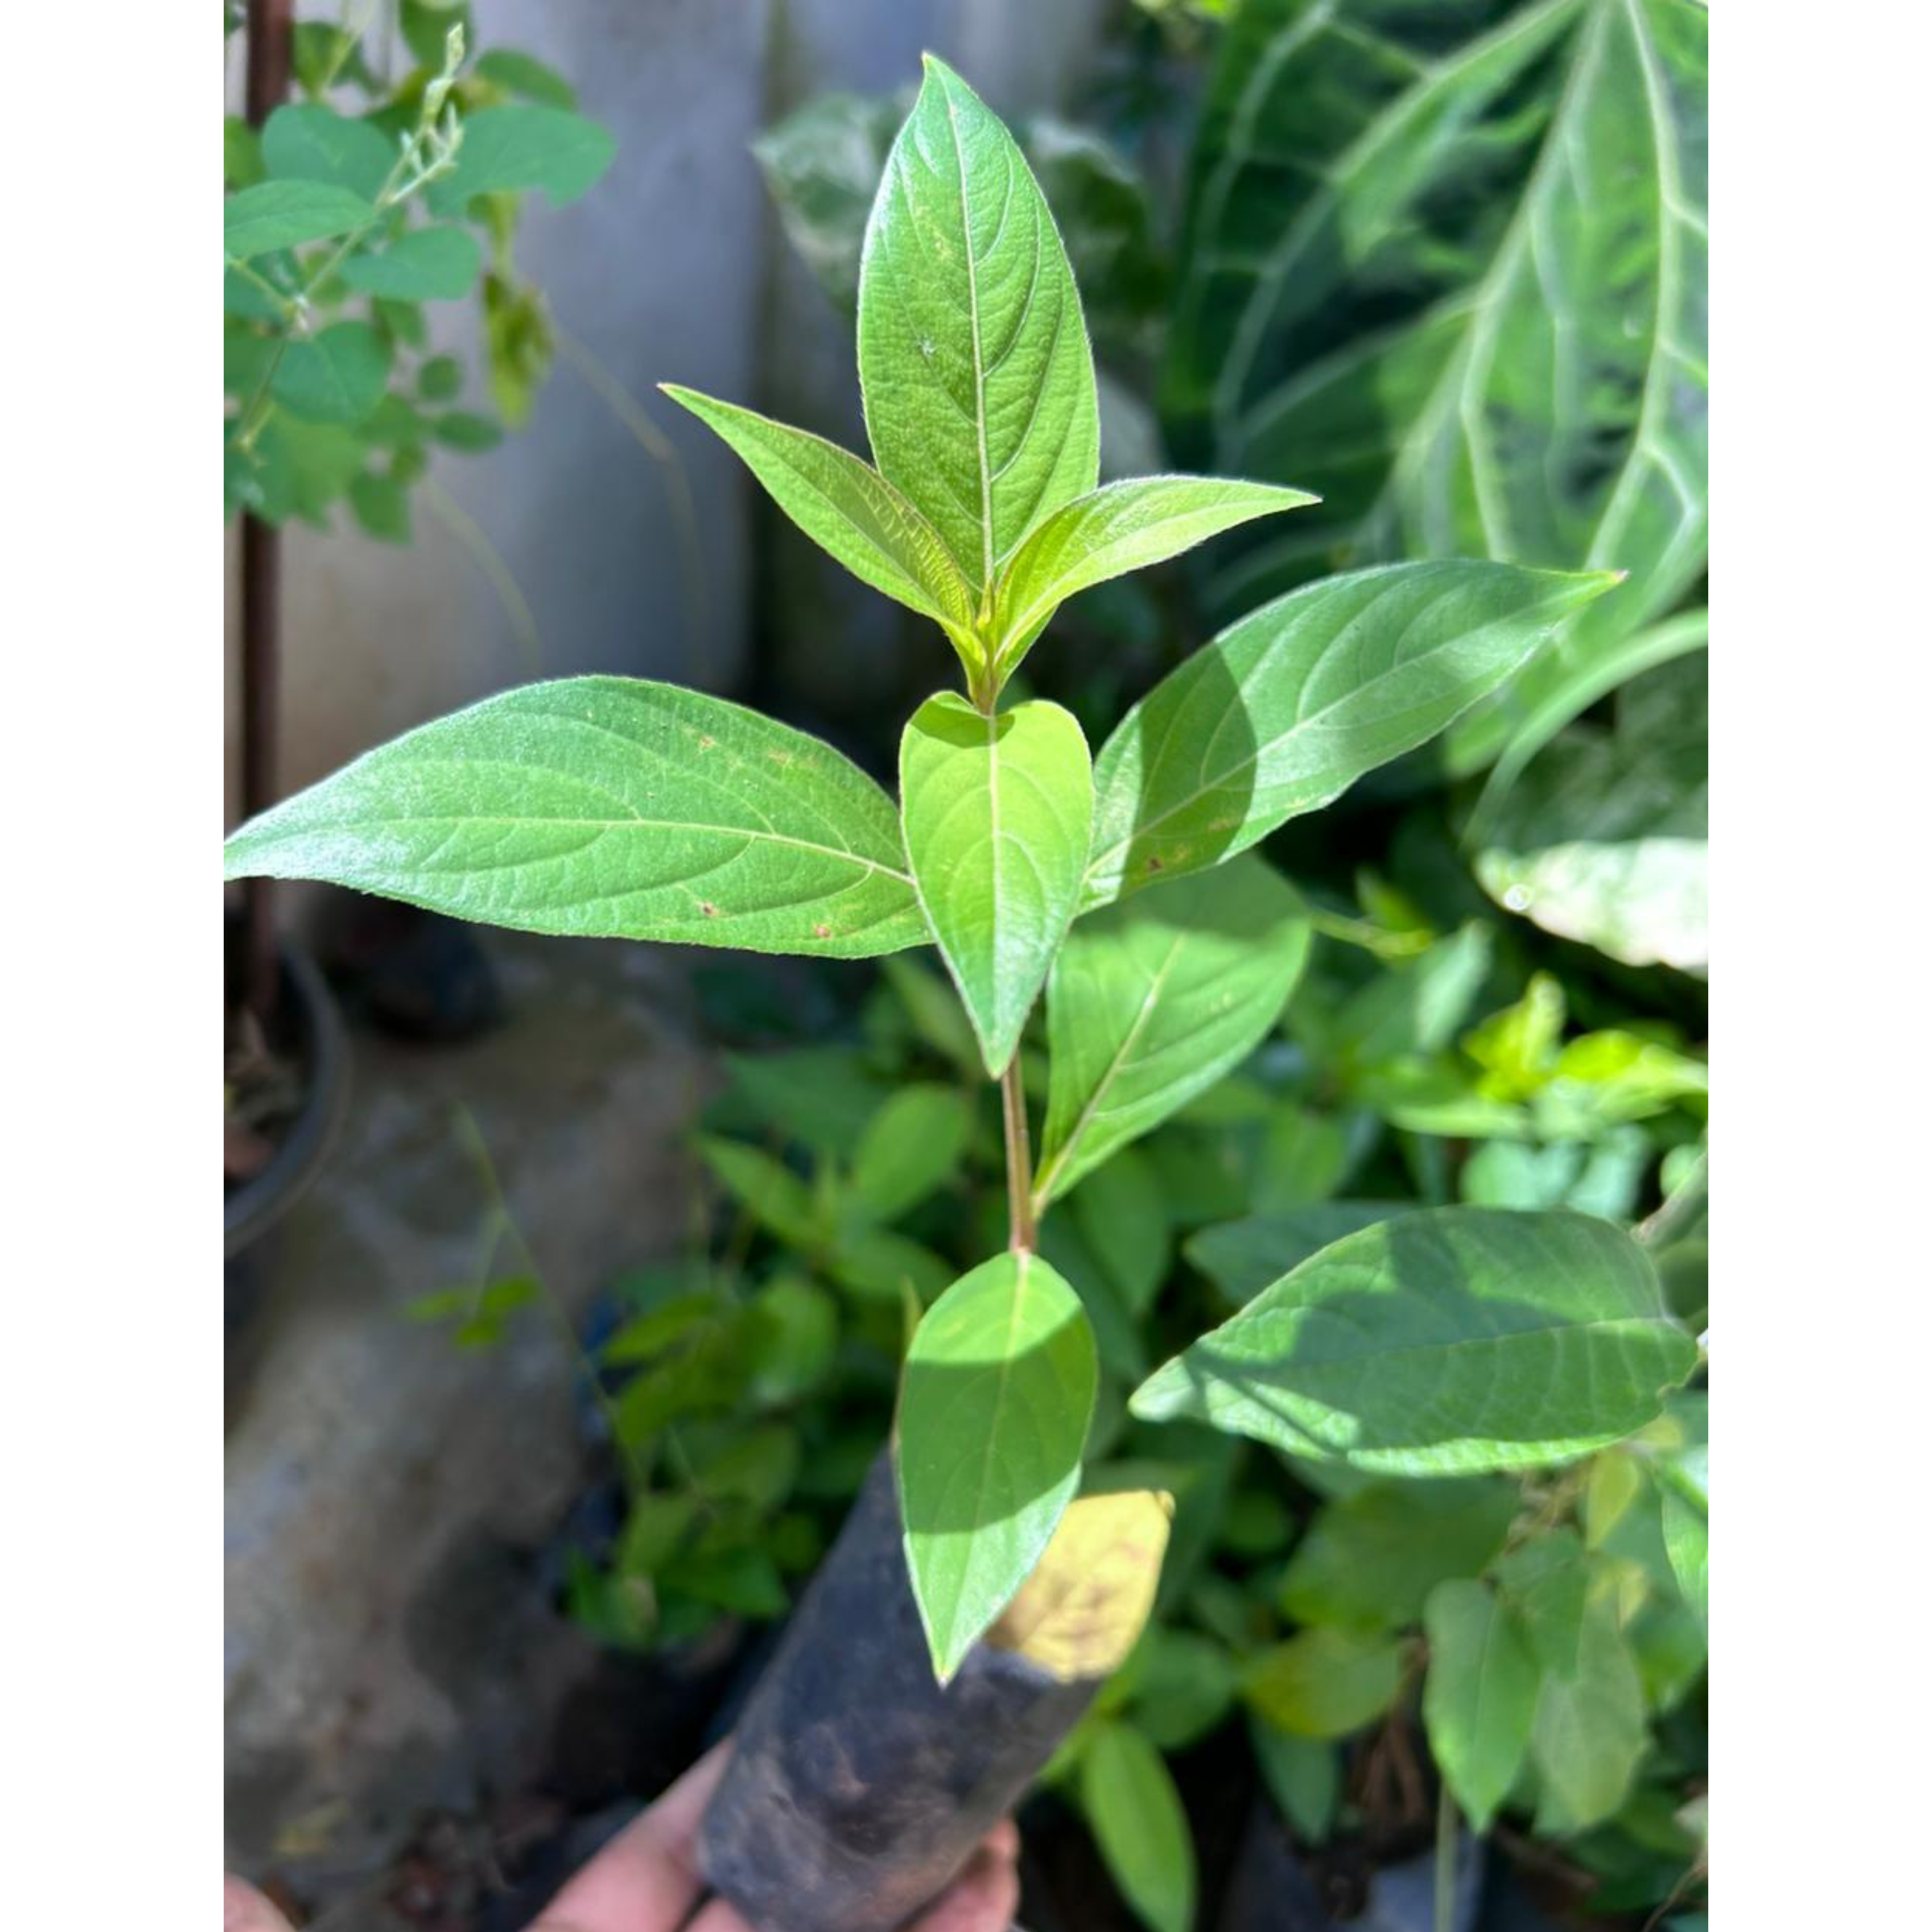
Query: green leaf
{"x": 847, "y": 508}
{"x": 999, "y": 1388}
{"x": 972, "y": 356}
{"x": 823, "y": 1096}
{"x": 656, "y": 1525}
{"x": 1448, "y": 269}
{"x": 1589, "y": 1731}
{"x": 381, "y": 507}
{"x": 1604, "y": 839}
{"x": 1283, "y": 712}
{"x": 1124, "y": 1220}
{"x": 1242, "y": 1257}
{"x": 304, "y": 141}
{"x": 1370, "y": 1560}
{"x": 1614, "y": 663}
{"x": 462, "y": 429}
{"x": 425, "y": 25}
{"x": 1684, "y": 1484}
{"x": 822, "y": 164}
{"x": 1416, "y": 1006}
{"x": 337, "y": 375}
{"x": 440, "y": 379}
{"x": 1185, "y": 1685}
{"x": 324, "y": 55}
{"x": 1453, "y": 1339}
{"x": 523, "y": 146}
{"x": 1151, "y": 1002}
{"x": 524, "y": 74}
{"x": 610, "y": 807}
{"x": 767, "y": 1189}
{"x": 1130, "y": 1800}
{"x": 1479, "y": 1697}
{"x": 883, "y": 1266}
{"x": 792, "y": 1338}
{"x": 424, "y": 265}
{"x": 1303, "y": 1776}
{"x": 911, "y": 1147}
{"x": 998, "y": 811}
{"x": 281, "y": 213}
{"x": 1325, "y": 1683}
{"x": 1126, "y": 526}
{"x": 241, "y": 165}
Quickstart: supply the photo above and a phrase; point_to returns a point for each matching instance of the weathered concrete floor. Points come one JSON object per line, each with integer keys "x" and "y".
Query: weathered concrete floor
{"x": 388, "y": 1647}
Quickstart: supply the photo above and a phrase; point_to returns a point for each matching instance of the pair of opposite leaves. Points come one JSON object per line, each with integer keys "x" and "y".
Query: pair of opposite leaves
{"x": 983, "y": 514}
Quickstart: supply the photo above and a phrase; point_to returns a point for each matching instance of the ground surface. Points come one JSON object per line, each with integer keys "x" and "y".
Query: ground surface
{"x": 391, "y": 1650}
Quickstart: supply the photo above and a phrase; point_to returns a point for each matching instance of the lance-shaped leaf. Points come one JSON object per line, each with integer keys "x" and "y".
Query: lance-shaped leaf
{"x": 999, "y": 1389}
{"x": 1139, "y": 1824}
{"x": 1464, "y": 298}
{"x": 847, "y": 508}
{"x": 1285, "y": 710}
{"x": 973, "y": 354}
{"x": 1125, "y": 526}
{"x": 610, "y": 807}
{"x": 1452, "y": 1340}
{"x": 998, "y": 812}
{"x": 1152, "y": 1001}
{"x": 1479, "y": 1699}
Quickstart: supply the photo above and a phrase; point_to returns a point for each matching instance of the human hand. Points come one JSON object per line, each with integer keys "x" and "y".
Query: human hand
{"x": 647, "y": 1879}
{"x": 245, "y": 1909}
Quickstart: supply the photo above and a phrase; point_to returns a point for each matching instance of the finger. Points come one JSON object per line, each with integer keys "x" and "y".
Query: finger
{"x": 645, "y": 1879}
{"x": 1004, "y": 1841}
{"x": 245, "y": 1909}
{"x": 982, "y": 1898}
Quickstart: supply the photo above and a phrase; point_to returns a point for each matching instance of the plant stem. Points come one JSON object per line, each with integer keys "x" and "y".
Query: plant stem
{"x": 470, "y": 1135}
{"x": 659, "y": 447}
{"x": 491, "y": 561}
{"x": 271, "y": 32}
{"x": 1446, "y": 1822}
{"x": 1019, "y": 1160}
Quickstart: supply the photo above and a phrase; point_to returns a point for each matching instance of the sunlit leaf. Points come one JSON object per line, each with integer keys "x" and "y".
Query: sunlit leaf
{"x": 998, "y": 1389}
{"x": 609, "y": 806}
{"x": 998, "y": 812}
{"x": 1450, "y": 1340}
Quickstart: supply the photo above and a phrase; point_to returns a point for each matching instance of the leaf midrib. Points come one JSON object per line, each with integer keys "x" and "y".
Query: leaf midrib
{"x": 635, "y": 822}
{"x": 979, "y": 351}
{"x": 1063, "y": 1156}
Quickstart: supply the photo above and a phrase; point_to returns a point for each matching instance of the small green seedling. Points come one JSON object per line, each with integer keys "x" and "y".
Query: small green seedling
{"x": 1450, "y": 1341}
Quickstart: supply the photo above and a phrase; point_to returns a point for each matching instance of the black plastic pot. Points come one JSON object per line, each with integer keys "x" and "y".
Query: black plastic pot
{"x": 1275, "y": 1889}
{"x": 315, "y": 1039}
{"x": 858, "y": 1787}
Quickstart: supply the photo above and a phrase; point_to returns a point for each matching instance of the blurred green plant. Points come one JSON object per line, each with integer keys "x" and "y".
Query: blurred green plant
{"x": 348, "y": 212}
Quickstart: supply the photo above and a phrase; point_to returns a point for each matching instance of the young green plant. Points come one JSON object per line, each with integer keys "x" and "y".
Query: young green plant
{"x": 1123, "y": 886}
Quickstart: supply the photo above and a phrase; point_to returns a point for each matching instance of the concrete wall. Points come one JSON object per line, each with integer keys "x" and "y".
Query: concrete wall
{"x": 670, "y": 269}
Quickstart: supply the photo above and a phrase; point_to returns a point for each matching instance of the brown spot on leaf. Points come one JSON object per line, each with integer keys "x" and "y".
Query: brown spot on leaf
{"x": 821, "y": 932}
{"x": 706, "y": 742}
{"x": 709, "y": 910}
{"x": 1154, "y": 865}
